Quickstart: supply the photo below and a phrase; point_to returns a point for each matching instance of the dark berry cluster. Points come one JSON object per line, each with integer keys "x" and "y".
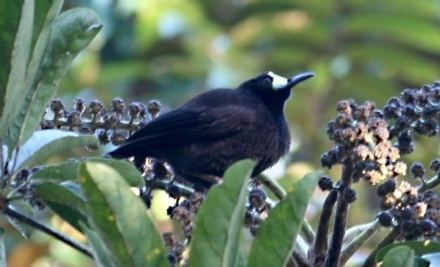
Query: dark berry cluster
{"x": 23, "y": 187}
{"x": 257, "y": 208}
{"x": 185, "y": 211}
{"x": 362, "y": 139}
{"x": 175, "y": 247}
{"x": 415, "y": 110}
{"x": 113, "y": 125}
{"x": 414, "y": 214}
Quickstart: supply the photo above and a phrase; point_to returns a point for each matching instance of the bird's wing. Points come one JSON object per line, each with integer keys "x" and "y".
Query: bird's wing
{"x": 182, "y": 126}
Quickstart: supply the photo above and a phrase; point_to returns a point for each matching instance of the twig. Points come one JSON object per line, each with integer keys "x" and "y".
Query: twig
{"x": 334, "y": 251}
{"x": 280, "y": 193}
{"x": 320, "y": 244}
{"x": 355, "y": 244}
{"x": 431, "y": 183}
{"x": 29, "y": 221}
{"x": 369, "y": 262}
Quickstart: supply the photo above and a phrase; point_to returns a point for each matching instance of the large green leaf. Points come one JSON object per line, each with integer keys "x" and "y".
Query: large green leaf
{"x": 71, "y": 32}
{"x": 100, "y": 253}
{"x": 275, "y": 240}
{"x": 14, "y": 116}
{"x": 18, "y": 63}
{"x": 419, "y": 248}
{"x": 44, "y": 144}
{"x": 64, "y": 202}
{"x": 401, "y": 256}
{"x": 9, "y": 21}
{"x": 68, "y": 171}
{"x": 220, "y": 219}
{"x": 119, "y": 217}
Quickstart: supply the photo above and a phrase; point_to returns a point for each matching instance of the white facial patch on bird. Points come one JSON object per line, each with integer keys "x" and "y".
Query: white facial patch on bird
{"x": 278, "y": 82}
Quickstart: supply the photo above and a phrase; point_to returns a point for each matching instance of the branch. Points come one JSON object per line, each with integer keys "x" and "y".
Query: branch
{"x": 29, "y": 221}
{"x": 317, "y": 253}
{"x": 334, "y": 251}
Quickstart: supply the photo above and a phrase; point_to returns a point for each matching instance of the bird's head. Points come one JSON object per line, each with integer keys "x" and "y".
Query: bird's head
{"x": 273, "y": 88}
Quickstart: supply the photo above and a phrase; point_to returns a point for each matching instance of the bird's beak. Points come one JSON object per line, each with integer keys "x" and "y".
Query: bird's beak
{"x": 280, "y": 83}
{"x": 291, "y": 82}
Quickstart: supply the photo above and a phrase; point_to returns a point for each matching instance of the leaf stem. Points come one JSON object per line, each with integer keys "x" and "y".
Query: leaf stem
{"x": 31, "y": 222}
{"x": 355, "y": 244}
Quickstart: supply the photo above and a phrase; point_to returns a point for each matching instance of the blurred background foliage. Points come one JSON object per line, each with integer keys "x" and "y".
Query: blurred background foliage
{"x": 172, "y": 50}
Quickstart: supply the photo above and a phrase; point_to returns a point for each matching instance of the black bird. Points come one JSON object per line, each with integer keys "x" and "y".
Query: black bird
{"x": 210, "y": 132}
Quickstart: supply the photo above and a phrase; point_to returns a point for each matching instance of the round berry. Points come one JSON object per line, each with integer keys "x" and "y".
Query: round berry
{"x": 386, "y": 188}
{"x": 325, "y": 183}
{"x": 257, "y": 197}
{"x": 417, "y": 170}
{"x": 349, "y": 195}
{"x": 406, "y": 214}
{"x": 428, "y": 225}
{"x": 385, "y": 218}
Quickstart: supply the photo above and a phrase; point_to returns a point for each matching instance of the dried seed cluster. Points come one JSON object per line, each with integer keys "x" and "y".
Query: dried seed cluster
{"x": 362, "y": 139}
{"x": 257, "y": 208}
{"x": 114, "y": 125}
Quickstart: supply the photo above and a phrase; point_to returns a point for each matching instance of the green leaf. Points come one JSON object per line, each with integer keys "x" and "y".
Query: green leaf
{"x": 46, "y": 143}
{"x": 401, "y": 256}
{"x": 419, "y": 248}
{"x": 120, "y": 218}
{"x": 416, "y": 33}
{"x": 14, "y": 120}
{"x": 69, "y": 171}
{"x": 71, "y": 32}
{"x": 64, "y": 202}
{"x": 9, "y": 21}
{"x": 100, "y": 253}
{"x": 275, "y": 240}
{"x": 241, "y": 260}
{"x": 3, "y": 262}
{"x": 24, "y": 208}
{"x": 220, "y": 218}
{"x": 19, "y": 61}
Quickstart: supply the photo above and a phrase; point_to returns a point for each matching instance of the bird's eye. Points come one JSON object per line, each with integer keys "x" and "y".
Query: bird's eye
{"x": 267, "y": 81}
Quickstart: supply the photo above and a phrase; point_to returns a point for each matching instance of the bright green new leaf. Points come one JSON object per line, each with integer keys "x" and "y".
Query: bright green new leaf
{"x": 120, "y": 219}
{"x": 275, "y": 240}
{"x": 220, "y": 219}
{"x": 401, "y": 256}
